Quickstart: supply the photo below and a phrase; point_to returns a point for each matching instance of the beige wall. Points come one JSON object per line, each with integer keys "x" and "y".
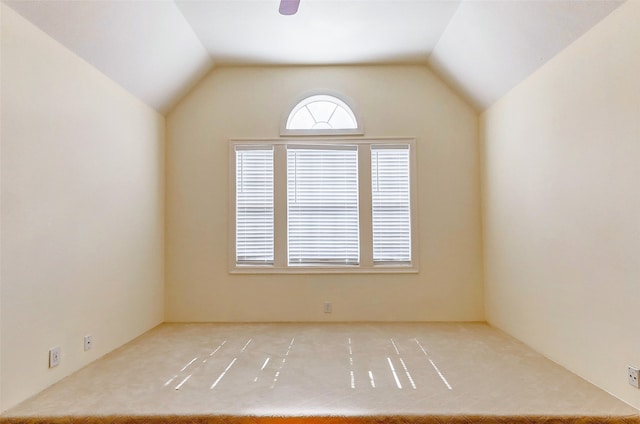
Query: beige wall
{"x": 562, "y": 206}
{"x": 82, "y": 211}
{"x": 394, "y": 101}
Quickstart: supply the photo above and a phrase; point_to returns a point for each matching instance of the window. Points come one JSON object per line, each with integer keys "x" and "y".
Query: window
{"x": 254, "y": 205}
{"x": 391, "y": 204}
{"x": 322, "y": 114}
{"x": 323, "y": 206}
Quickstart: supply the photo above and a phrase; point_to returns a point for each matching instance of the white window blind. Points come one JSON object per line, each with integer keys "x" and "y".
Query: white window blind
{"x": 254, "y": 205}
{"x": 391, "y": 206}
{"x": 322, "y": 204}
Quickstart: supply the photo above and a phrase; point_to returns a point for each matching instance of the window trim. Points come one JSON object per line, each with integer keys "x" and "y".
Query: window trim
{"x": 285, "y": 132}
{"x": 280, "y": 265}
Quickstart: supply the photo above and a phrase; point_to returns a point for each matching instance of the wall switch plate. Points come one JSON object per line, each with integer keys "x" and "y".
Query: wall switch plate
{"x": 88, "y": 342}
{"x": 633, "y": 374}
{"x": 328, "y": 307}
{"x": 54, "y": 357}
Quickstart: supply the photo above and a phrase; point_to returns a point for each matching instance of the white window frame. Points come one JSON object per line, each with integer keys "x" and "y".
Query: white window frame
{"x": 343, "y": 101}
{"x": 366, "y": 264}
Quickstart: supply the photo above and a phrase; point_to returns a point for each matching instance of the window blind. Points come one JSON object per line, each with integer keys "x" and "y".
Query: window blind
{"x": 322, "y": 205}
{"x": 254, "y": 205}
{"x": 391, "y": 207}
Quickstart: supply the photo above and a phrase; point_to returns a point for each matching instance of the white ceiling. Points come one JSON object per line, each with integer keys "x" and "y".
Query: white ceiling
{"x": 158, "y": 49}
{"x": 322, "y": 32}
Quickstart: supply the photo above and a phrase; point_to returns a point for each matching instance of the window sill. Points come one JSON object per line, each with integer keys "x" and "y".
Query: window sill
{"x": 257, "y": 269}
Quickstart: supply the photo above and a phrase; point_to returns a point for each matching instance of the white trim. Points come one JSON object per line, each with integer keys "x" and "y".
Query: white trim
{"x": 324, "y": 140}
{"x": 280, "y": 239}
{"x": 321, "y": 270}
{"x": 366, "y": 219}
{"x": 280, "y": 208}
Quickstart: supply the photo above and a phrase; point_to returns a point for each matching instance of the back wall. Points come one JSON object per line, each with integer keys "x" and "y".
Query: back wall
{"x": 245, "y": 102}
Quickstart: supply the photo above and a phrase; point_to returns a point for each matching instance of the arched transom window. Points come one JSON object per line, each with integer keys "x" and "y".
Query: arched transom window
{"x": 322, "y": 114}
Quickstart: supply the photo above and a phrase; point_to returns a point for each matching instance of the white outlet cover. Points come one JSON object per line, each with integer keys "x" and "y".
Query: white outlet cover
{"x": 634, "y": 376}
{"x": 88, "y": 342}
{"x": 54, "y": 357}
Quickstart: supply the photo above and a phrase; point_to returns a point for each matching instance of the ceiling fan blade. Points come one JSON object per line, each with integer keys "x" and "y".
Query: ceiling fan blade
{"x": 289, "y": 7}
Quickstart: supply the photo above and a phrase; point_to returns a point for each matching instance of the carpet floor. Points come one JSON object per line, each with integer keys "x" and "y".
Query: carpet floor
{"x": 400, "y": 373}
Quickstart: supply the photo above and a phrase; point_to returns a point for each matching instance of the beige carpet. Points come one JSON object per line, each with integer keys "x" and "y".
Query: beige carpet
{"x": 458, "y": 419}
{"x": 323, "y": 373}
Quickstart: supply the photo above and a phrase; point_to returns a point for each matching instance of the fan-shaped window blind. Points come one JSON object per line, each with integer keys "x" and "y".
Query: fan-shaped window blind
{"x": 321, "y": 114}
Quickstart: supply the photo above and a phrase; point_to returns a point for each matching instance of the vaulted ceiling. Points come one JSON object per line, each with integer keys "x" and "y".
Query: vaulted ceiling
{"x": 158, "y": 49}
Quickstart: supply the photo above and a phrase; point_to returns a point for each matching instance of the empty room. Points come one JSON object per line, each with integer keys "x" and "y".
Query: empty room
{"x": 301, "y": 211}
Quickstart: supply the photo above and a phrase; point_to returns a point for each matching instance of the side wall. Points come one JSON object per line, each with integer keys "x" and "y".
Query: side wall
{"x": 562, "y": 206}
{"x": 237, "y": 102}
{"x": 82, "y": 211}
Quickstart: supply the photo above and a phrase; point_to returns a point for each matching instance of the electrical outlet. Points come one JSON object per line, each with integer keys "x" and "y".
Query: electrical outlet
{"x": 54, "y": 357}
{"x": 88, "y": 342}
{"x": 633, "y": 375}
{"x": 328, "y": 308}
